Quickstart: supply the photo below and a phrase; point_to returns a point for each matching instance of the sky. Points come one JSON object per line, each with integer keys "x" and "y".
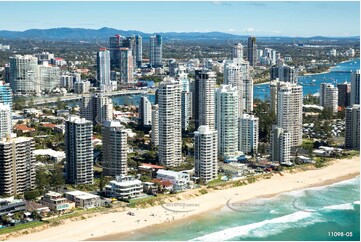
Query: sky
{"x": 288, "y": 18}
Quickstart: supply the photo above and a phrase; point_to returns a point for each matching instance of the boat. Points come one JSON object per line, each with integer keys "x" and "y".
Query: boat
{"x": 314, "y": 80}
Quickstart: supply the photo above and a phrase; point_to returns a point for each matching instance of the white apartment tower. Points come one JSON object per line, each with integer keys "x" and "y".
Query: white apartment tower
{"x": 352, "y": 129}
{"x": 96, "y": 108}
{"x": 226, "y": 122}
{"x": 170, "y": 127}
{"x": 205, "y": 153}
{"x": 126, "y": 66}
{"x": 329, "y": 96}
{"x": 237, "y": 51}
{"x": 280, "y": 145}
{"x": 289, "y": 111}
{"x": 145, "y": 111}
{"x": 103, "y": 69}
{"x": 182, "y": 76}
{"x": 248, "y": 95}
{"x": 233, "y": 76}
{"x": 248, "y": 134}
{"x": 24, "y": 74}
{"x": 5, "y": 120}
{"x": 79, "y": 150}
{"x": 155, "y": 125}
{"x": 115, "y": 149}
{"x": 17, "y": 165}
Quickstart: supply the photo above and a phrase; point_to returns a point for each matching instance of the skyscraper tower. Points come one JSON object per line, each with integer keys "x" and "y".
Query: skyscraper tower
{"x": 155, "y": 53}
{"x": 17, "y": 165}
{"x": 170, "y": 127}
{"x": 355, "y": 87}
{"x": 203, "y": 100}
{"x": 289, "y": 111}
{"x": 115, "y": 43}
{"x": 5, "y": 120}
{"x": 103, "y": 69}
{"x": 248, "y": 134}
{"x": 248, "y": 95}
{"x": 252, "y": 51}
{"x": 352, "y": 128}
{"x": 145, "y": 111}
{"x": 233, "y": 76}
{"x": 237, "y": 51}
{"x": 226, "y": 123}
{"x": 79, "y": 150}
{"x": 138, "y": 51}
{"x": 182, "y": 77}
{"x": 126, "y": 66}
{"x": 115, "y": 149}
{"x": 96, "y": 108}
{"x": 205, "y": 153}
{"x": 329, "y": 96}
{"x": 24, "y": 74}
{"x": 155, "y": 125}
{"x": 280, "y": 145}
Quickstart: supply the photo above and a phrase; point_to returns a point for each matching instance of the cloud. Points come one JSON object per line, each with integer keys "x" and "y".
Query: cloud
{"x": 221, "y": 3}
{"x": 250, "y": 30}
{"x": 276, "y": 31}
{"x": 231, "y": 30}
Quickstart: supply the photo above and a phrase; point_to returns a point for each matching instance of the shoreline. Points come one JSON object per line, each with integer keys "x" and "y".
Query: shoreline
{"x": 111, "y": 225}
{"x": 148, "y": 229}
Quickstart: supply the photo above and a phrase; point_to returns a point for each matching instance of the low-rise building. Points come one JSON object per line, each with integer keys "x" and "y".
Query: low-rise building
{"x": 180, "y": 180}
{"x": 11, "y": 206}
{"x": 124, "y": 187}
{"x": 56, "y": 202}
{"x": 83, "y": 199}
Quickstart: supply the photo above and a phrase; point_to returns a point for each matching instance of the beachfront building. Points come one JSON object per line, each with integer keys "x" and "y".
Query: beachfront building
{"x": 226, "y": 121}
{"x": 56, "y": 202}
{"x": 17, "y": 169}
{"x": 83, "y": 199}
{"x": 145, "y": 111}
{"x": 355, "y": 87}
{"x": 114, "y": 149}
{"x": 180, "y": 180}
{"x": 155, "y": 125}
{"x": 248, "y": 134}
{"x": 182, "y": 76}
{"x": 288, "y": 104}
{"x": 170, "y": 127}
{"x": 233, "y": 76}
{"x": 329, "y": 96}
{"x": 124, "y": 187}
{"x": 352, "y": 129}
{"x": 79, "y": 150}
{"x": 205, "y": 153}
{"x": 203, "y": 98}
{"x": 280, "y": 145}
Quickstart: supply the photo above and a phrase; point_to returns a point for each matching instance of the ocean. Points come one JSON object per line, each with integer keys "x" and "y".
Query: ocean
{"x": 320, "y": 213}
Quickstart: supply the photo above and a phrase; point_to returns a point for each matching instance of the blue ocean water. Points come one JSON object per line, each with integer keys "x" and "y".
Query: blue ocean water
{"x": 308, "y": 214}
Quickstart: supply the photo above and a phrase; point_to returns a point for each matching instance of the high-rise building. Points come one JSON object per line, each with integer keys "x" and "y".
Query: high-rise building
{"x": 284, "y": 73}
{"x": 252, "y": 51}
{"x": 5, "y": 120}
{"x": 233, "y": 76}
{"x": 114, "y": 149}
{"x": 103, "y": 69}
{"x": 79, "y": 150}
{"x": 203, "y": 100}
{"x": 280, "y": 145}
{"x": 248, "y": 134}
{"x": 81, "y": 87}
{"x": 226, "y": 123}
{"x": 237, "y": 51}
{"x": 155, "y": 125}
{"x": 352, "y": 129}
{"x": 289, "y": 110}
{"x": 17, "y": 165}
{"x": 205, "y": 153}
{"x": 182, "y": 77}
{"x": 129, "y": 42}
{"x": 96, "y": 108}
{"x": 115, "y": 43}
{"x": 6, "y": 96}
{"x": 329, "y": 96}
{"x": 49, "y": 77}
{"x": 24, "y": 74}
{"x": 170, "y": 127}
{"x": 138, "y": 51}
{"x": 355, "y": 87}
{"x": 248, "y": 95}
{"x": 155, "y": 53}
{"x": 344, "y": 94}
{"x": 126, "y": 66}
{"x": 145, "y": 111}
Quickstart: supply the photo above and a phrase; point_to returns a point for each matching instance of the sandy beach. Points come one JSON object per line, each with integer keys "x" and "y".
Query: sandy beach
{"x": 185, "y": 206}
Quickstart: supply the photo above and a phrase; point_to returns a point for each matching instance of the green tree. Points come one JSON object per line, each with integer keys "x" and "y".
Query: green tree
{"x": 42, "y": 178}
{"x": 57, "y": 177}
{"x": 32, "y": 194}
